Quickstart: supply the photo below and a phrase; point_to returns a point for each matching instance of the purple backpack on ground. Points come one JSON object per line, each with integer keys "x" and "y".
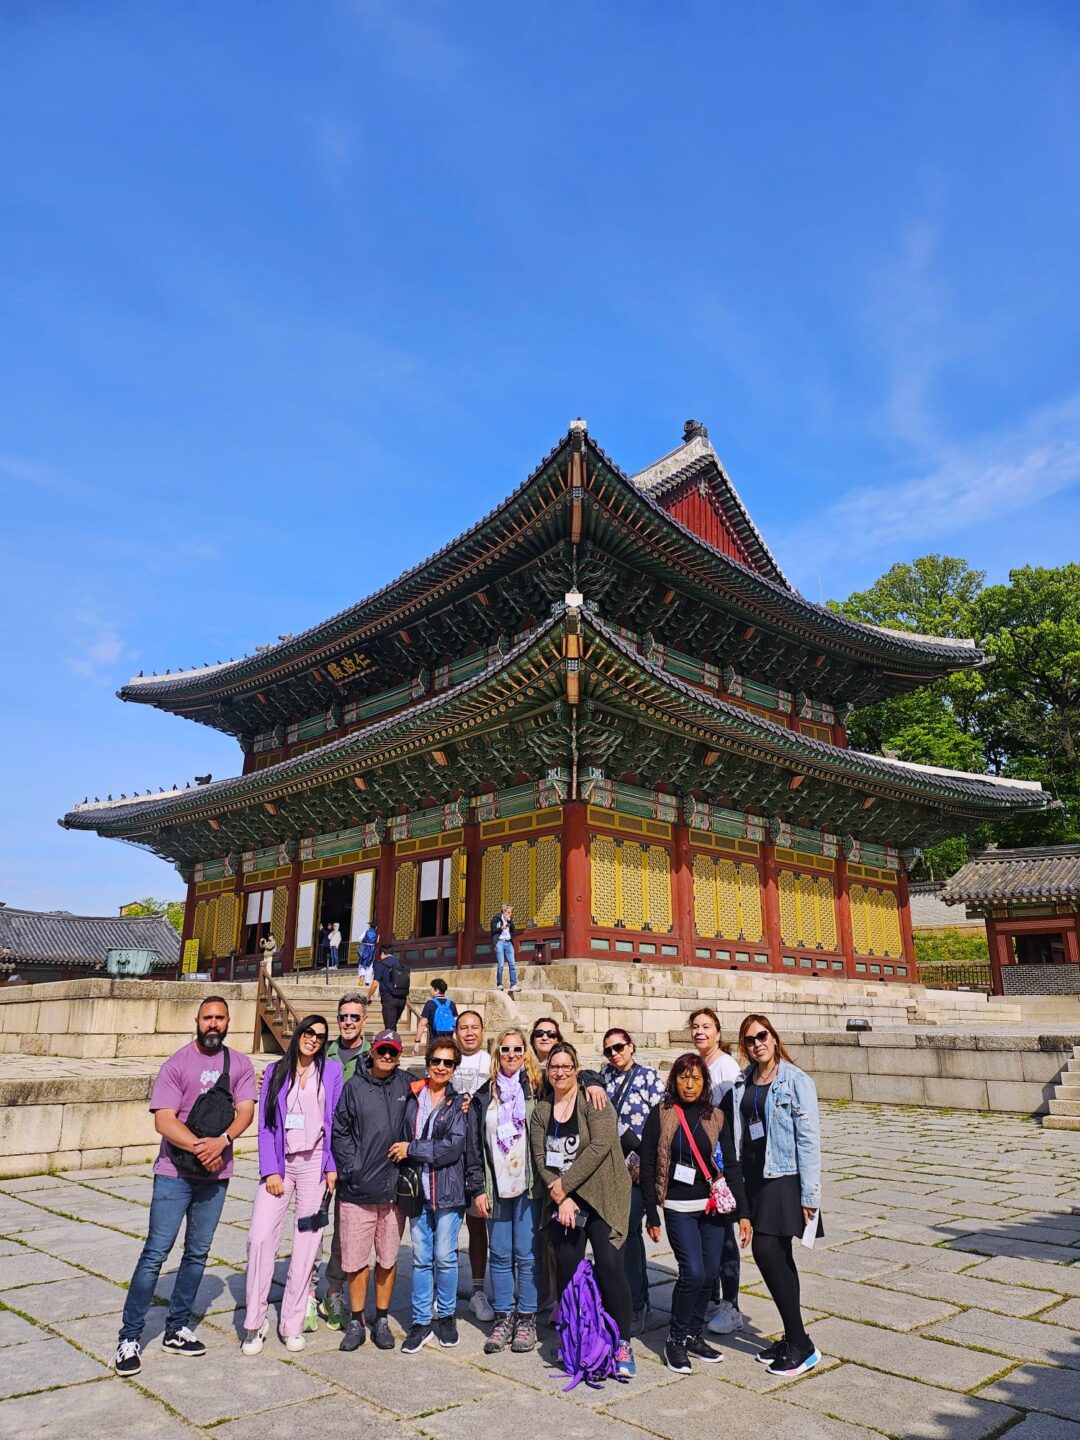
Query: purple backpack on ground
{"x": 588, "y": 1336}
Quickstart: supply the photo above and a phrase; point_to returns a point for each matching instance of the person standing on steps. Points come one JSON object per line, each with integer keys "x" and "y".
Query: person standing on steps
{"x": 503, "y": 931}
{"x": 391, "y": 980}
{"x": 333, "y": 940}
{"x": 366, "y": 950}
{"x": 726, "y": 1317}
{"x": 777, "y": 1135}
{"x": 348, "y": 1050}
{"x": 268, "y": 946}
{"x": 213, "y": 1087}
{"x": 298, "y": 1097}
{"x": 474, "y": 1071}
{"x": 438, "y": 1017}
{"x": 369, "y": 1120}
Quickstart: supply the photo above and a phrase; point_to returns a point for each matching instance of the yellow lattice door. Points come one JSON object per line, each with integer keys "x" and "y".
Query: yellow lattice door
{"x": 602, "y": 856}
{"x": 630, "y": 881}
{"x": 491, "y": 884}
{"x": 860, "y": 919}
{"x": 892, "y": 939}
{"x": 658, "y": 888}
{"x": 517, "y": 881}
{"x": 787, "y": 893}
{"x": 456, "y": 902}
{"x": 750, "y": 903}
{"x": 405, "y": 887}
{"x": 547, "y": 854}
{"x": 705, "y": 896}
{"x": 279, "y": 914}
{"x": 824, "y": 914}
{"x": 228, "y": 923}
{"x": 204, "y": 926}
{"x": 727, "y": 898}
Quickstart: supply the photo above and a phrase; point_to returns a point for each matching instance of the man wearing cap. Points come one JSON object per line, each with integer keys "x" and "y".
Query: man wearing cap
{"x": 369, "y": 1119}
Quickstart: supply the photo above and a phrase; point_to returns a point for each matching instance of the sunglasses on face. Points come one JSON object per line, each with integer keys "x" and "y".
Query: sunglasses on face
{"x": 309, "y": 1034}
{"x": 616, "y": 1049}
{"x": 511, "y": 1050}
{"x": 545, "y": 1034}
{"x": 444, "y": 1062}
{"x": 759, "y": 1038}
{"x": 388, "y": 1052}
{"x": 344, "y": 1015}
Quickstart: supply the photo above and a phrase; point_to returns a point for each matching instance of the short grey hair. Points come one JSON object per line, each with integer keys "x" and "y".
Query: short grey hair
{"x": 353, "y": 997}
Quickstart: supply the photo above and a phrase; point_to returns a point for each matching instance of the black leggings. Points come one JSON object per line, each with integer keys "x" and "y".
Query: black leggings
{"x": 568, "y": 1247}
{"x": 774, "y": 1259}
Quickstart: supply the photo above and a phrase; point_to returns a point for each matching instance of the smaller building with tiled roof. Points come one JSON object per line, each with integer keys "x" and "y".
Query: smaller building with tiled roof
{"x": 41, "y": 945}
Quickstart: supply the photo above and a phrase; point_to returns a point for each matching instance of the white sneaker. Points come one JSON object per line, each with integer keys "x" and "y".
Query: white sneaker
{"x": 480, "y": 1306}
{"x": 726, "y": 1320}
{"x": 294, "y": 1342}
{"x": 253, "y": 1339}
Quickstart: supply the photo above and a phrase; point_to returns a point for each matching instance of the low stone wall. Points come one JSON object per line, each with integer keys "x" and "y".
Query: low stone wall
{"x": 1014, "y": 1074}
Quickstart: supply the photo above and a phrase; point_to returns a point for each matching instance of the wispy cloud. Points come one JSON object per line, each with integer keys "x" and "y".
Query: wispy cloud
{"x": 19, "y": 473}
{"x": 96, "y": 648}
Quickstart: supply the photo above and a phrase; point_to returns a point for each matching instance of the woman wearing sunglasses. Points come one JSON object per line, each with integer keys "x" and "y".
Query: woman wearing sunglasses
{"x": 296, "y": 1114}
{"x": 577, "y": 1155}
{"x": 633, "y": 1090}
{"x": 778, "y": 1140}
{"x": 435, "y": 1122}
{"x": 507, "y": 1191}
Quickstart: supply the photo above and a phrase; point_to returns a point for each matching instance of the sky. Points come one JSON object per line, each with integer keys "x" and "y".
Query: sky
{"x": 291, "y": 294}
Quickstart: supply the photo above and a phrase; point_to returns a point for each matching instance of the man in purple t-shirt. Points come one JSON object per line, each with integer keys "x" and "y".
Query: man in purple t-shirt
{"x": 198, "y": 1200}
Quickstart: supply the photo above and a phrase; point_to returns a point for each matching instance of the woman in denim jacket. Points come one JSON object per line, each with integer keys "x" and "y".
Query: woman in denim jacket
{"x": 778, "y": 1141}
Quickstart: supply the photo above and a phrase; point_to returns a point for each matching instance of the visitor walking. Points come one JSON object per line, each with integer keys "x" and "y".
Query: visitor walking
{"x": 369, "y": 1119}
{"x": 508, "y": 1192}
{"x": 348, "y": 1049}
{"x": 578, "y": 1157}
{"x": 723, "y": 1072}
{"x": 633, "y": 1090}
{"x": 777, "y": 1137}
{"x": 678, "y": 1174}
{"x": 213, "y": 1087}
{"x": 503, "y": 931}
{"x": 366, "y": 950}
{"x": 435, "y": 1123}
{"x": 296, "y": 1163}
{"x": 333, "y": 941}
{"x": 391, "y": 979}
{"x": 438, "y": 1017}
{"x": 473, "y": 1071}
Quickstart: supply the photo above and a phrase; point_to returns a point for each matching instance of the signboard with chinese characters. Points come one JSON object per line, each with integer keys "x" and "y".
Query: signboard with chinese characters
{"x": 190, "y": 962}
{"x": 348, "y": 666}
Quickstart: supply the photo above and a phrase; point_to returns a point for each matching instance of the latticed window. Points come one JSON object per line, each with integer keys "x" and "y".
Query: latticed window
{"x": 226, "y": 930}
{"x": 405, "y": 888}
{"x": 727, "y": 899}
{"x": 875, "y": 921}
{"x": 807, "y": 910}
{"x": 524, "y": 874}
{"x": 631, "y": 885}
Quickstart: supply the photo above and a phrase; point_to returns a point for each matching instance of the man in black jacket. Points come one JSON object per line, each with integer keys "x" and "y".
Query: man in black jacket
{"x": 503, "y": 931}
{"x": 369, "y": 1119}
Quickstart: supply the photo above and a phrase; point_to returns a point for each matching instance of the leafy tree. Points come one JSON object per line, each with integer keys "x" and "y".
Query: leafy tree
{"x": 934, "y": 595}
{"x": 173, "y": 910}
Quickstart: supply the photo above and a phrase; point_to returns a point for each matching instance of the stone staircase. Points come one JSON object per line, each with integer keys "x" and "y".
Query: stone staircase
{"x": 1065, "y": 1102}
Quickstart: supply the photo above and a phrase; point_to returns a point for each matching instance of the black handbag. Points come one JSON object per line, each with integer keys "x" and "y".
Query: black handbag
{"x": 212, "y": 1114}
{"x": 410, "y": 1191}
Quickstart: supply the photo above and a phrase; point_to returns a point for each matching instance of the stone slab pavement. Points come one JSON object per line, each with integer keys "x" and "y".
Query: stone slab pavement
{"x": 945, "y": 1300}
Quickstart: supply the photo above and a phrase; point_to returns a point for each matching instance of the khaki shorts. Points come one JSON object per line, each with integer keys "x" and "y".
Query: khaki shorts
{"x": 363, "y": 1226}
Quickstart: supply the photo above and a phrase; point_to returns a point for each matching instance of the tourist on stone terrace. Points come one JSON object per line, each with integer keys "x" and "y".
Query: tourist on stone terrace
{"x": 723, "y": 1071}
{"x": 633, "y": 1090}
{"x": 348, "y": 1049}
{"x": 777, "y": 1138}
{"x": 299, "y": 1095}
{"x": 474, "y": 1071}
{"x": 191, "y": 1176}
{"x": 680, "y": 1176}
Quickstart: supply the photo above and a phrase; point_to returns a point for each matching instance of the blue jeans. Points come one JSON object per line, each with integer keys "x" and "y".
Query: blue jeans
{"x": 174, "y": 1200}
{"x": 504, "y": 952}
{"x": 434, "y": 1235}
{"x": 698, "y": 1241}
{"x": 637, "y": 1276}
{"x": 514, "y": 1242}
{"x": 727, "y": 1286}
{"x": 335, "y": 957}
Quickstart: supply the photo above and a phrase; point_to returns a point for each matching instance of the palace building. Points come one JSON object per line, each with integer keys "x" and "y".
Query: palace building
{"x": 603, "y": 703}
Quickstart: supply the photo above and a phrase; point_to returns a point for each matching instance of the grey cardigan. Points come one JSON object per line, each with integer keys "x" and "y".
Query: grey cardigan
{"x": 599, "y": 1174}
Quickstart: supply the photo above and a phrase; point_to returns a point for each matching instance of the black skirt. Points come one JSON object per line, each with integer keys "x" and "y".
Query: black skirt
{"x": 775, "y": 1205}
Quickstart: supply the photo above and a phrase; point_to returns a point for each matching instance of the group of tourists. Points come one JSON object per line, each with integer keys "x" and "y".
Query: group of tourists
{"x": 546, "y": 1163}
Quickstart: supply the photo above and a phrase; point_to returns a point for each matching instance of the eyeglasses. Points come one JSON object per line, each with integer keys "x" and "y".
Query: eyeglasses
{"x": 388, "y": 1052}
{"x": 308, "y": 1032}
{"x": 545, "y": 1034}
{"x": 615, "y": 1049}
{"x": 511, "y": 1049}
{"x": 442, "y": 1062}
{"x": 344, "y": 1015}
{"x": 759, "y": 1038}
{"x": 560, "y": 1069}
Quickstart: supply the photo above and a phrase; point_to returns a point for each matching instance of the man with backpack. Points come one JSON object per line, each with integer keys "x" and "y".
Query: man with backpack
{"x": 202, "y": 1101}
{"x": 391, "y": 979}
{"x": 438, "y": 1017}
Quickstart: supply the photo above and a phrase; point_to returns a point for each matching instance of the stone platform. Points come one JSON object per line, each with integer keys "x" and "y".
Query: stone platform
{"x": 945, "y": 1301}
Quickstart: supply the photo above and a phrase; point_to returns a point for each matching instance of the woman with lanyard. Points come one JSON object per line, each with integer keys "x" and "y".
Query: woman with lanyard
{"x": 435, "y": 1121}
{"x": 474, "y": 1071}
{"x": 296, "y": 1114}
{"x": 578, "y": 1157}
{"x": 777, "y": 1137}
{"x": 678, "y": 1174}
{"x": 508, "y": 1193}
{"x": 723, "y": 1071}
{"x": 633, "y": 1090}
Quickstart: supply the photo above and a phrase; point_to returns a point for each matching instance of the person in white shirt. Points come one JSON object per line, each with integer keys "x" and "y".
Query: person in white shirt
{"x": 473, "y": 1071}
{"x": 723, "y": 1072}
{"x": 334, "y": 942}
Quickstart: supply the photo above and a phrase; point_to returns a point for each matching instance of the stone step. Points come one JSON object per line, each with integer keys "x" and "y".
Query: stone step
{"x": 1065, "y": 1107}
{"x": 1061, "y": 1122}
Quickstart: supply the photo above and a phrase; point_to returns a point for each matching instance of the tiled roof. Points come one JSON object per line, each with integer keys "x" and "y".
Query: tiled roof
{"x": 929, "y": 911}
{"x": 28, "y": 936}
{"x": 999, "y": 877}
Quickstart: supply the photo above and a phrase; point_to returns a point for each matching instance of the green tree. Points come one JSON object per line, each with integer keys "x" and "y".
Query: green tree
{"x": 173, "y": 910}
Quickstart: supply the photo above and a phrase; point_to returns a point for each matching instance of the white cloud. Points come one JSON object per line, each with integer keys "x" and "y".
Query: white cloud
{"x": 96, "y": 649}
{"x": 33, "y": 475}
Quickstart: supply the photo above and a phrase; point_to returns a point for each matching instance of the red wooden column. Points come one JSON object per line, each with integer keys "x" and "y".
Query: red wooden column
{"x": 288, "y": 940}
{"x": 683, "y": 892}
{"x": 770, "y": 902}
{"x": 576, "y": 881}
{"x": 189, "y": 918}
{"x": 907, "y": 935}
{"x": 384, "y": 894}
{"x": 473, "y": 877}
{"x": 995, "y": 944}
{"x": 843, "y": 916}
{"x": 1072, "y": 940}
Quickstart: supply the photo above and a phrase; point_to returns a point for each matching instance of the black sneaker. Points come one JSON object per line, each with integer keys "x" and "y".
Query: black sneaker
{"x": 676, "y": 1358}
{"x": 700, "y": 1349}
{"x": 446, "y": 1331}
{"x": 796, "y": 1360}
{"x": 416, "y": 1339}
{"x": 381, "y": 1335}
{"x": 127, "y": 1360}
{"x": 355, "y": 1334}
{"x": 183, "y": 1342}
{"x": 770, "y": 1353}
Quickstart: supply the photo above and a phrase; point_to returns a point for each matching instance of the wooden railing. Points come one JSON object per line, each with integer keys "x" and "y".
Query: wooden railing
{"x": 968, "y": 975}
{"x": 274, "y": 1011}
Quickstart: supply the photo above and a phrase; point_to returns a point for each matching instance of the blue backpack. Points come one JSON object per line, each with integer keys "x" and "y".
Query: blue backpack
{"x": 588, "y": 1336}
{"x": 443, "y": 1019}
{"x": 366, "y": 951}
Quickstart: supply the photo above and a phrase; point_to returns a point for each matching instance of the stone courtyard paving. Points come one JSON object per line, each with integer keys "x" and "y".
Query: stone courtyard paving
{"x": 945, "y": 1302}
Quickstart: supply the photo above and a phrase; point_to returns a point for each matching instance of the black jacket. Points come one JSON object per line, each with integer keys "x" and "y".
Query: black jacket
{"x": 440, "y": 1149}
{"x": 496, "y": 926}
{"x": 369, "y": 1118}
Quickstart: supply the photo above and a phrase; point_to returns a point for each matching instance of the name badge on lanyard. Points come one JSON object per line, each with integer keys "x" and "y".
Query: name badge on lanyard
{"x": 508, "y": 1131}
{"x": 757, "y": 1130}
{"x": 294, "y": 1122}
{"x": 554, "y": 1158}
{"x": 684, "y": 1174}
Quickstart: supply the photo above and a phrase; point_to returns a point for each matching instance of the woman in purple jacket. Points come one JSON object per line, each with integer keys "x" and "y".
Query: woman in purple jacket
{"x": 296, "y": 1115}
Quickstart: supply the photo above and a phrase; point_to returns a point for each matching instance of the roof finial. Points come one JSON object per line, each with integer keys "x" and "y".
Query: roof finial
{"x": 692, "y": 429}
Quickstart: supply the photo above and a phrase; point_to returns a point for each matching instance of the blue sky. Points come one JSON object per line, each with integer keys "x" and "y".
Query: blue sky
{"x": 291, "y": 294}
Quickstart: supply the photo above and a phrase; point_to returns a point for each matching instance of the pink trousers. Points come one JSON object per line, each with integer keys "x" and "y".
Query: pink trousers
{"x": 304, "y": 1184}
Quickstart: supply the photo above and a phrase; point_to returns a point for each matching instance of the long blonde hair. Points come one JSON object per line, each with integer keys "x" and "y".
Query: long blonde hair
{"x": 532, "y": 1069}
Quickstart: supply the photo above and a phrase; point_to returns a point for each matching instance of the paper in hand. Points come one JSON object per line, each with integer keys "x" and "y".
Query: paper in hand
{"x": 809, "y": 1234}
